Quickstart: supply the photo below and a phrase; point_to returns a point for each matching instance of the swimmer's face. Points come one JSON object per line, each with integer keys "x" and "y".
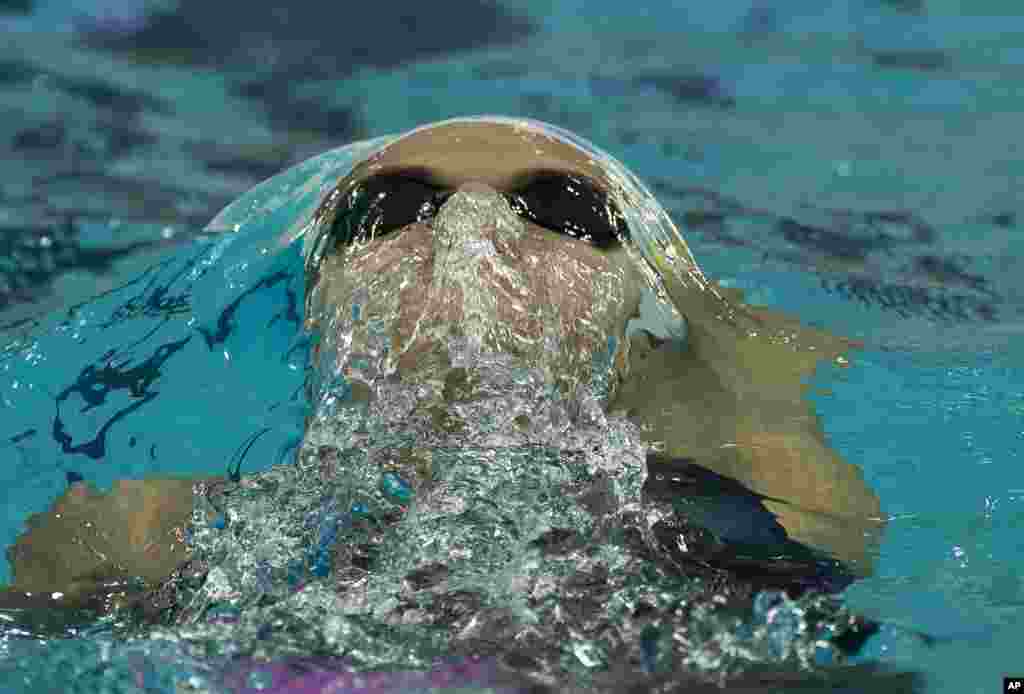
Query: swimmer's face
{"x": 479, "y": 236}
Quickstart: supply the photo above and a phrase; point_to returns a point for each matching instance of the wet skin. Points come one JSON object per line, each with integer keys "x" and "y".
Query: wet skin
{"x": 732, "y": 398}
{"x": 727, "y": 405}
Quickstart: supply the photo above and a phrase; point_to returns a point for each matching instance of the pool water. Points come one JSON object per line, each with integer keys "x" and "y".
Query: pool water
{"x": 933, "y": 430}
{"x": 786, "y": 168}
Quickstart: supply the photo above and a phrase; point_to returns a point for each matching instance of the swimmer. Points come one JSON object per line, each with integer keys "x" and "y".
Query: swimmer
{"x": 494, "y": 283}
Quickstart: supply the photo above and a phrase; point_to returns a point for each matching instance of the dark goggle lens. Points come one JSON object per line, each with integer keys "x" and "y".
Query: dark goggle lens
{"x": 382, "y": 205}
{"x": 563, "y": 203}
{"x": 570, "y": 205}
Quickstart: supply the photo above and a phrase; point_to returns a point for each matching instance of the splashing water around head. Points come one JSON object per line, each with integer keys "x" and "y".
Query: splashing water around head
{"x": 497, "y": 315}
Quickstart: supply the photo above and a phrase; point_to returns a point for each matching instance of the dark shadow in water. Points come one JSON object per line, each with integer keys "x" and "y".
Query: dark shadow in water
{"x": 28, "y": 266}
{"x": 16, "y": 6}
{"x": 323, "y": 40}
{"x": 689, "y": 89}
{"x": 923, "y": 60}
{"x": 277, "y": 46}
{"x": 842, "y": 244}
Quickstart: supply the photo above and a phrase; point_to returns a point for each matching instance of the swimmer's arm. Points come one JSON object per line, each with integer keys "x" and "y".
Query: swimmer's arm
{"x": 734, "y": 399}
{"x": 93, "y": 550}
{"x": 716, "y": 521}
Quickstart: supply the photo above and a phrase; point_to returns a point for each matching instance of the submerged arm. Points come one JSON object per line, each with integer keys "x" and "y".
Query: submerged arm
{"x": 733, "y": 398}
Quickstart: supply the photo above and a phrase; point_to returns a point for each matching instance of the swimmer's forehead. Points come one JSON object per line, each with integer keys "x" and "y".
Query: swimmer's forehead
{"x": 498, "y": 154}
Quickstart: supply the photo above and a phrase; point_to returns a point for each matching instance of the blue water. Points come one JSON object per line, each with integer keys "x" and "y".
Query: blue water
{"x": 930, "y": 409}
{"x": 935, "y": 432}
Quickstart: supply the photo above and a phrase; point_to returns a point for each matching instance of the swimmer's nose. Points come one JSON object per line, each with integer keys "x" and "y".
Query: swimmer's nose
{"x": 476, "y": 188}
{"x": 474, "y": 217}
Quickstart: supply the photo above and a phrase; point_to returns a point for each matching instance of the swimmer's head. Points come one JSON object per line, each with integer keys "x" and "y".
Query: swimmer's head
{"x": 473, "y": 238}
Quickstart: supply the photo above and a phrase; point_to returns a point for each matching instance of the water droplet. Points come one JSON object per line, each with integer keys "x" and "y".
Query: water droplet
{"x": 261, "y": 679}
{"x": 587, "y": 653}
{"x": 395, "y": 487}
